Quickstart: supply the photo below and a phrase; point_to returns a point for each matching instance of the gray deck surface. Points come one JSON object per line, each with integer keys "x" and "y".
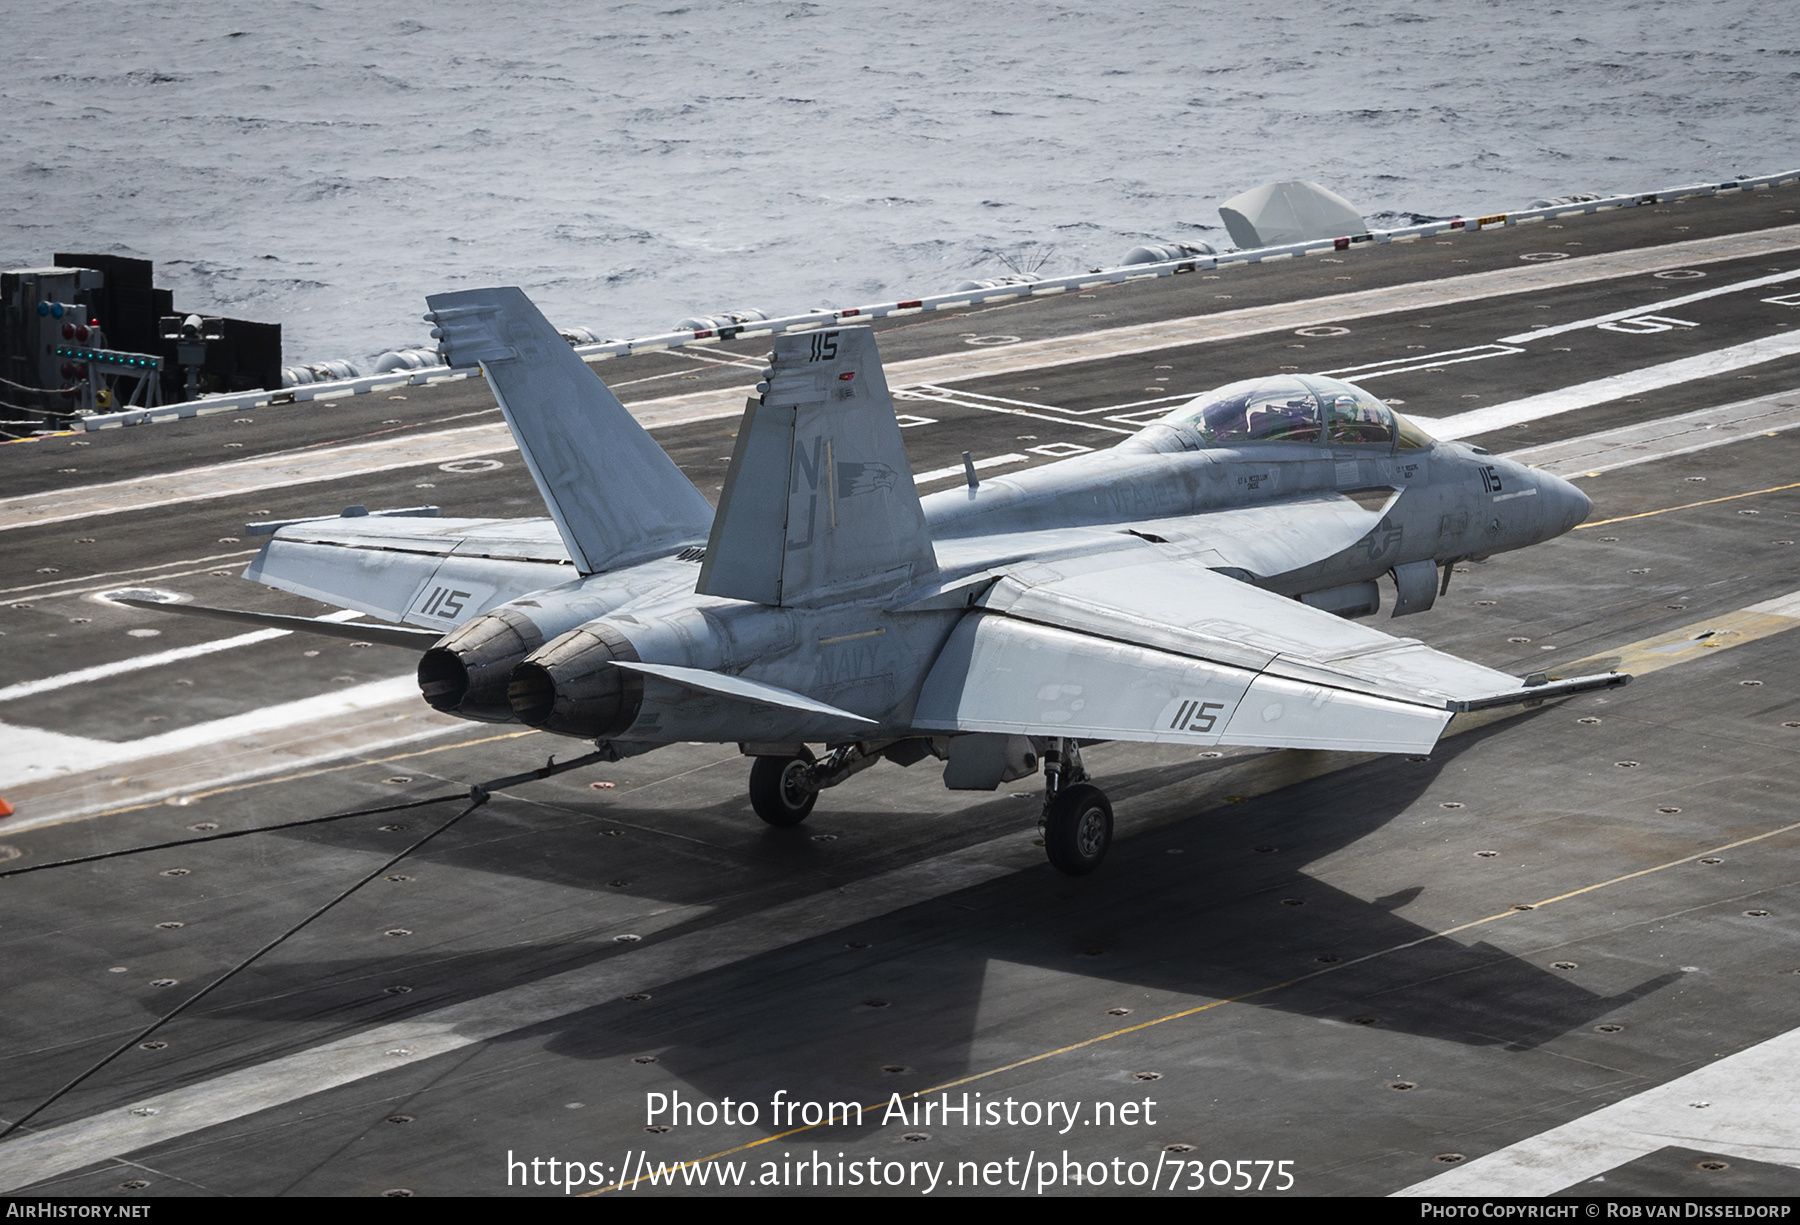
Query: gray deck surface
{"x": 907, "y": 937}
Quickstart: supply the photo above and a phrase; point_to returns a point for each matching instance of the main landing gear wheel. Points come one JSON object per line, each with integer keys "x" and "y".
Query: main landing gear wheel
{"x": 1078, "y": 828}
{"x": 780, "y": 789}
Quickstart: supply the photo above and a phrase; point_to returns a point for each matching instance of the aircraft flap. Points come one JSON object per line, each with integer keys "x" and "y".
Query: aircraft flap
{"x": 615, "y": 496}
{"x": 1177, "y": 607}
{"x": 508, "y": 539}
{"x": 1001, "y": 674}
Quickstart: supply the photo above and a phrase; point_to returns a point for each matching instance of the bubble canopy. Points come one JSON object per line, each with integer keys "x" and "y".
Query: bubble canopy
{"x": 1295, "y": 408}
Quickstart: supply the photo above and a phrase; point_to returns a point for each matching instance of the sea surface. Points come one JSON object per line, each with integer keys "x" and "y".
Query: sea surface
{"x": 326, "y": 165}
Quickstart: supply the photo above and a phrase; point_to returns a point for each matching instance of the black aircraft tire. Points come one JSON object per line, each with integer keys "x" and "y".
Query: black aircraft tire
{"x": 773, "y": 793}
{"x": 1078, "y": 830}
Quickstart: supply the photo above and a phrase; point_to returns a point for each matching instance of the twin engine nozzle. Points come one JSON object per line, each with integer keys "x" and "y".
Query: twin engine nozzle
{"x": 492, "y": 668}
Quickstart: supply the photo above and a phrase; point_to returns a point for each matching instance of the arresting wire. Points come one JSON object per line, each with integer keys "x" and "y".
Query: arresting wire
{"x": 234, "y": 833}
{"x": 477, "y": 797}
{"x": 545, "y": 771}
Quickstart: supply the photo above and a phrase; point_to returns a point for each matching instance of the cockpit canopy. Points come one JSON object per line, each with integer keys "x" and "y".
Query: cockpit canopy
{"x": 1294, "y": 408}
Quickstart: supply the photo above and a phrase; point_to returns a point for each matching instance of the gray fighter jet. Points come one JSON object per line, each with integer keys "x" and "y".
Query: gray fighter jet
{"x": 1192, "y": 586}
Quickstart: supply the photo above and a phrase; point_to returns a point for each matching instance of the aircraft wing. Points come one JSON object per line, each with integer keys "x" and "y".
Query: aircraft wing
{"x": 435, "y": 573}
{"x": 1125, "y": 647}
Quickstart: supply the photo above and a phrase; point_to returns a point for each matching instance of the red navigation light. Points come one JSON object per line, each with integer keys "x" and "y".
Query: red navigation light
{"x": 68, "y": 330}
{"x": 81, "y": 333}
{"x": 847, "y": 376}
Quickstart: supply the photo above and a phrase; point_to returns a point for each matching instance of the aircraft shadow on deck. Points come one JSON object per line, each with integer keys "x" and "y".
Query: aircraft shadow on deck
{"x": 1213, "y": 920}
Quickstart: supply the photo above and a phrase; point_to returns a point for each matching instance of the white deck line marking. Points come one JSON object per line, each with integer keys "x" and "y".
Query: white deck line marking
{"x": 1432, "y": 358}
{"x": 253, "y": 475}
{"x": 32, "y": 755}
{"x": 1047, "y": 408}
{"x": 121, "y": 574}
{"x": 1613, "y": 387}
{"x": 992, "y": 461}
{"x": 1748, "y": 1112}
{"x": 713, "y": 360}
{"x": 82, "y": 676}
{"x": 1665, "y": 436}
{"x": 1415, "y": 295}
{"x": 942, "y": 396}
{"x": 1377, "y": 370}
{"x": 976, "y": 399}
{"x": 1781, "y": 606}
{"x": 1655, "y": 307}
{"x": 25, "y": 689}
{"x": 99, "y": 588}
{"x": 299, "y": 468}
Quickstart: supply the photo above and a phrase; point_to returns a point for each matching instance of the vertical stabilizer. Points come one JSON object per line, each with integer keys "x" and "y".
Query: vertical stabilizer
{"x": 616, "y": 497}
{"x": 819, "y": 503}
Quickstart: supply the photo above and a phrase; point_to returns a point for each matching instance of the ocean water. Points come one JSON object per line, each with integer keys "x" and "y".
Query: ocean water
{"x": 325, "y": 165}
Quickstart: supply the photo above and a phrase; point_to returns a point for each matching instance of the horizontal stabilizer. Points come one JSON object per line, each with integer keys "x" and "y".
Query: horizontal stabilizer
{"x": 387, "y": 635}
{"x": 743, "y": 690}
{"x": 616, "y": 497}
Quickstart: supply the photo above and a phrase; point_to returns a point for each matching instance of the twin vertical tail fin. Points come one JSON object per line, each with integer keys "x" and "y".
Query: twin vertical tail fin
{"x": 819, "y": 503}
{"x": 616, "y": 497}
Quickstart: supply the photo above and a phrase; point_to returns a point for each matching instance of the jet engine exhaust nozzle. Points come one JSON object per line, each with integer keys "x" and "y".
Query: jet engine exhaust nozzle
{"x": 443, "y": 679}
{"x": 571, "y": 687}
{"x": 466, "y": 673}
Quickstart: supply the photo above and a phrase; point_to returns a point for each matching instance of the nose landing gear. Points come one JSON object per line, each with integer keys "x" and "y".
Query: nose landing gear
{"x": 1078, "y": 820}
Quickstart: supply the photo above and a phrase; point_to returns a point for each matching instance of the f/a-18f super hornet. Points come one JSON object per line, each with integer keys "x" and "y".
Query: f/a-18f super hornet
{"x": 1191, "y": 586}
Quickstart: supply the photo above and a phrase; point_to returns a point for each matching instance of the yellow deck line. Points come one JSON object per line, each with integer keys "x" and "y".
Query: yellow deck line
{"x": 1731, "y": 497}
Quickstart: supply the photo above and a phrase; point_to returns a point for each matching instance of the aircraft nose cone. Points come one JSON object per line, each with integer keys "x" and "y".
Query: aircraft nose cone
{"x": 1572, "y": 505}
